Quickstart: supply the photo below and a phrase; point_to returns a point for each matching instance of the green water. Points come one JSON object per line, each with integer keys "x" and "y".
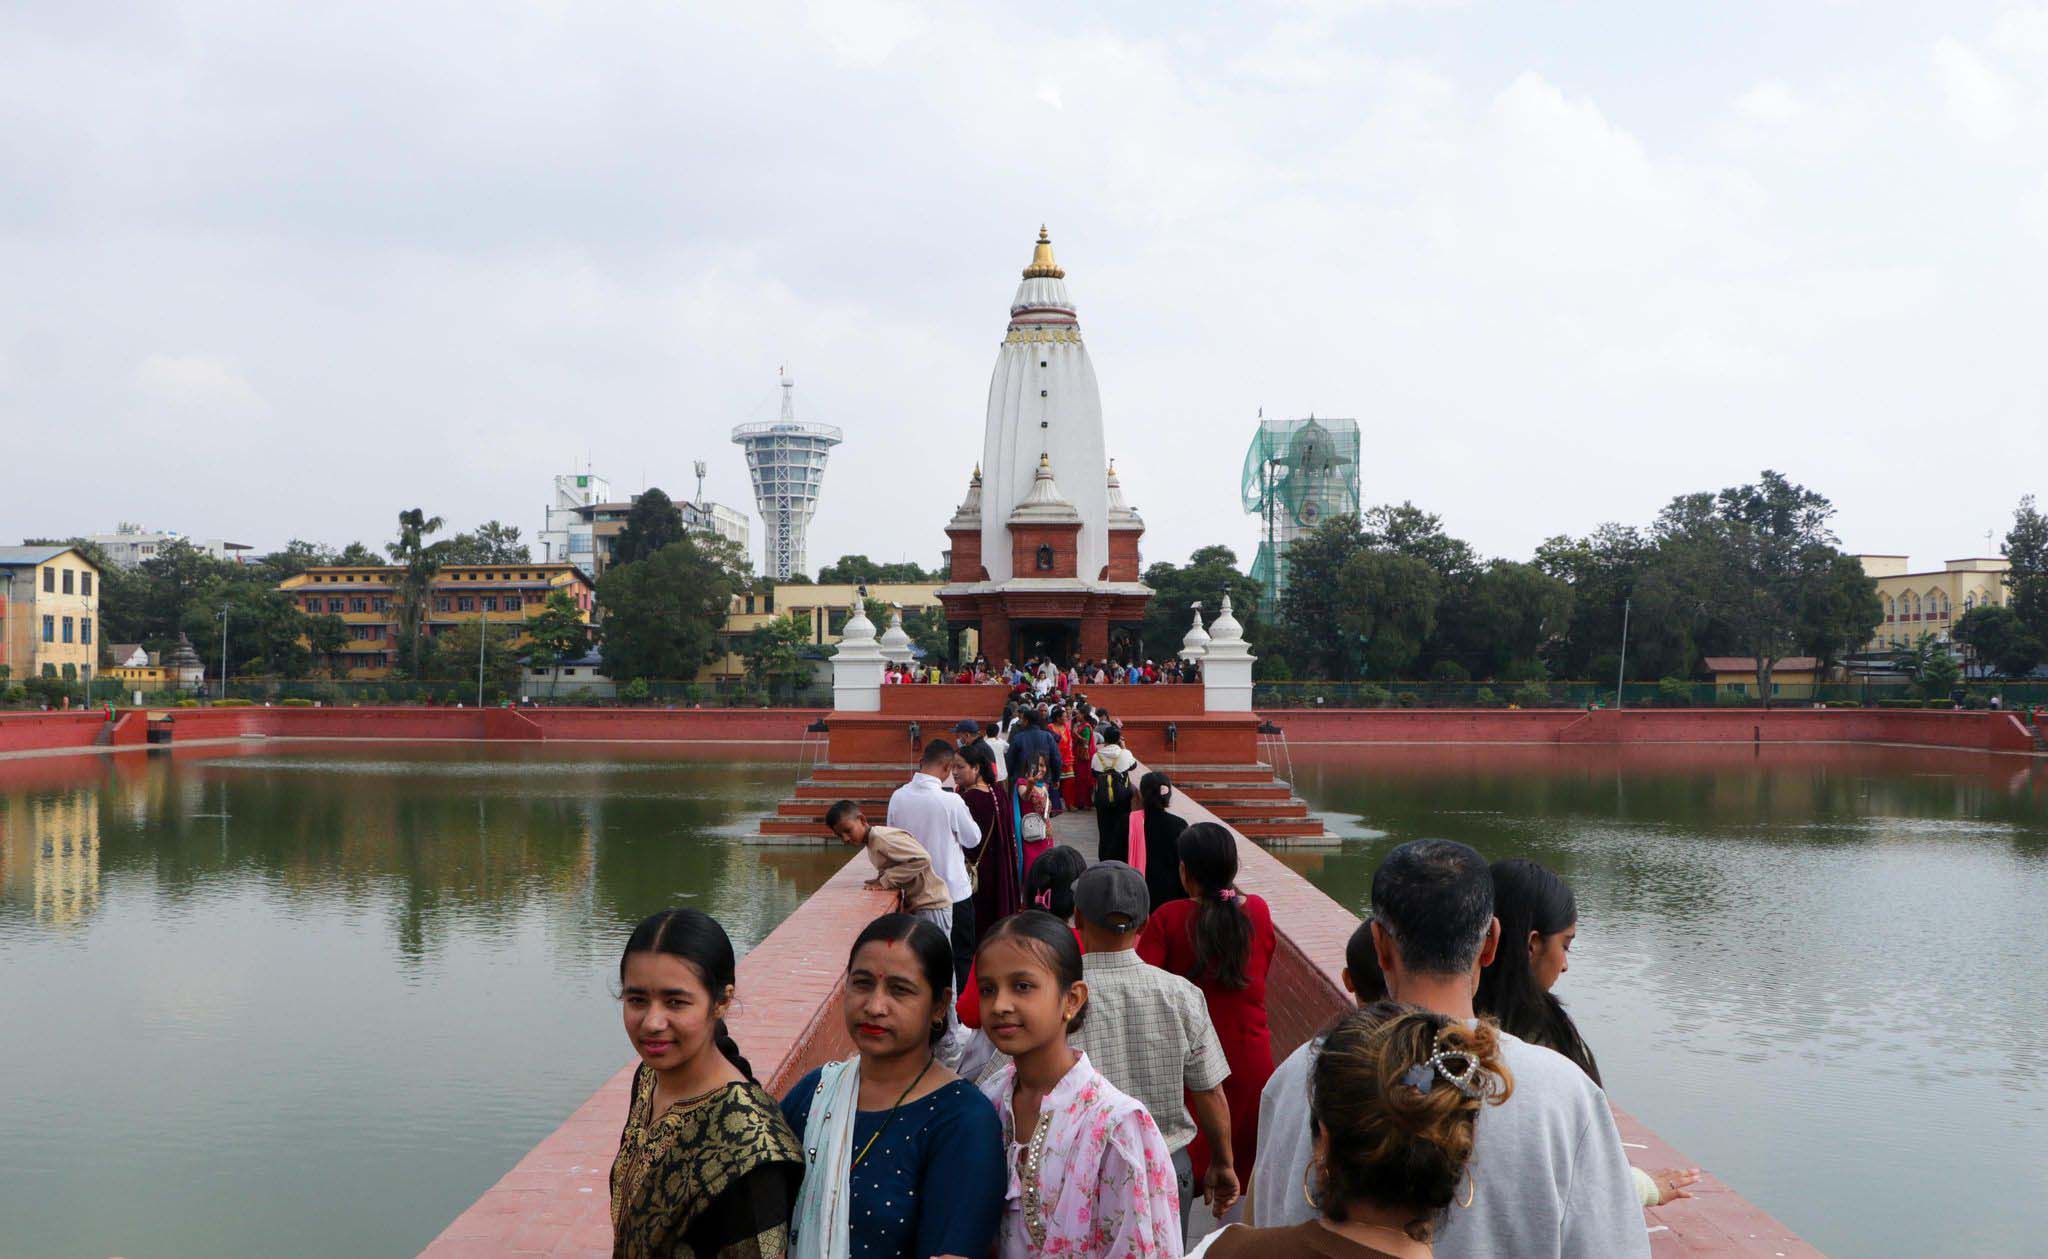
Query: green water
{"x": 313, "y": 1002}
{"x": 1820, "y": 972}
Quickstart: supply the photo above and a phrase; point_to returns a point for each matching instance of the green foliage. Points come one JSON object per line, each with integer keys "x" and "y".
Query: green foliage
{"x": 927, "y": 629}
{"x": 1209, "y": 574}
{"x": 1523, "y": 671}
{"x": 419, "y": 561}
{"x": 1999, "y": 640}
{"x": 635, "y": 692}
{"x": 492, "y": 543}
{"x": 1674, "y": 692}
{"x": 654, "y": 523}
{"x": 1408, "y": 699}
{"x": 1373, "y": 695}
{"x": 853, "y": 570}
{"x": 1485, "y": 698}
{"x": 557, "y": 632}
{"x": 1939, "y": 679}
{"x": 1449, "y": 671}
{"x": 1388, "y": 608}
{"x": 1531, "y": 695}
{"x": 663, "y": 613}
{"x": 295, "y": 701}
{"x": 235, "y": 703}
{"x": 2026, "y": 550}
{"x": 456, "y": 651}
{"x": 326, "y": 635}
{"x": 772, "y": 650}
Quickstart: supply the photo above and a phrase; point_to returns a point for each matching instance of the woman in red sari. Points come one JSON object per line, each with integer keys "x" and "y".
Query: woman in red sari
{"x": 1223, "y": 940}
{"x": 1063, "y": 730}
{"x": 1080, "y": 789}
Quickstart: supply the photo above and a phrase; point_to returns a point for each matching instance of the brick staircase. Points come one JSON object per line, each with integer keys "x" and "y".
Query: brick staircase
{"x": 1250, "y": 798}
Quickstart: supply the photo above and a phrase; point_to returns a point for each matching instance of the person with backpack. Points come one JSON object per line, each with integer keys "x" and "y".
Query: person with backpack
{"x": 1113, "y": 764}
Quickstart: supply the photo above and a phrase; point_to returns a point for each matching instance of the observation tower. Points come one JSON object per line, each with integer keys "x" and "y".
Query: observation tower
{"x": 786, "y": 460}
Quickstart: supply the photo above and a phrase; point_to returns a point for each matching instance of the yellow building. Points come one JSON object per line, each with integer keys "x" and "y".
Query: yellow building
{"x": 823, "y": 609}
{"x": 50, "y": 856}
{"x": 49, "y": 599}
{"x": 1792, "y": 678}
{"x": 1931, "y": 601}
{"x": 365, "y": 599}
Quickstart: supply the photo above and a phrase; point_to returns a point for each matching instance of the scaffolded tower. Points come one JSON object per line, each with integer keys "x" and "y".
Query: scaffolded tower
{"x": 1297, "y": 474}
{"x": 786, "y": 460}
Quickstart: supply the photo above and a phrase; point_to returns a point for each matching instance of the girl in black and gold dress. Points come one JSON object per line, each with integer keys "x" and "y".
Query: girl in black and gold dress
{"x": 707, "y": 1167}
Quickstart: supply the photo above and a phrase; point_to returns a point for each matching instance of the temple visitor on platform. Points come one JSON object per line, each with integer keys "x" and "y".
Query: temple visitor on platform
{"x": 902, "y": 1159}
{"x": 1394, "y": 1104}
{"x": 999, "y": 863}
{"x": 1539, "y": 919}
{"x": 1161, "y": 828}
{"x": 706, "y": 1164}
{"x": 901, "y": 865}
{"x": 1222, "y": 941}
{"x": 1115, "y": 791}
{"x": 1549, "y": 1175}
{"x": 939, "y": 819}
{"x": 1089, "y": 1175}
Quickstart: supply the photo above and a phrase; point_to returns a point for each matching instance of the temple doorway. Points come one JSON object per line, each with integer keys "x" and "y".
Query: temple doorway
{"x": 1054, "y": 640}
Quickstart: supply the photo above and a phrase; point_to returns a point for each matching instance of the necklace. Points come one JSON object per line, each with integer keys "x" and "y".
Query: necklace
{"x": 892, "y": 1112}
{"x": 1408, "y": 1244}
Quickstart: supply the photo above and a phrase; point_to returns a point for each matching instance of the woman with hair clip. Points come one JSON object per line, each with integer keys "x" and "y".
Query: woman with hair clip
{"x": 1395, "y": 1097}
{"x": 1050, "y": 887}
{"x": 1539, "y": 919}
{"x": 1222, "y": 940}
{"x": 1162, "y": 830}
{"x": 706, "y": 1164}
{"x": 1034, "y": 810}
{"x": 1088, "y": 1175}
{"x": 903, "y": 1160}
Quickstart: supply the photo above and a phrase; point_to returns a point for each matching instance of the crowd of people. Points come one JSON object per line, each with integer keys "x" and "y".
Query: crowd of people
{"x": 1040, "y": 677}
{"x": 1059, "y": 1058}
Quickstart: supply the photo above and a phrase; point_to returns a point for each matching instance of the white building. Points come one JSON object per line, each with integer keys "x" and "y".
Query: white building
{"x": 709, "y": 517}
{"x": 567, "y": 536}
{"x": 131, "y": 545}
{"x": 786, "y": 460}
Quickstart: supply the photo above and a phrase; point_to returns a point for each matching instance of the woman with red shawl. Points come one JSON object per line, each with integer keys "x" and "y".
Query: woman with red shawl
{"x": 1080, "y": 788}
{"x": 998, "y": 866}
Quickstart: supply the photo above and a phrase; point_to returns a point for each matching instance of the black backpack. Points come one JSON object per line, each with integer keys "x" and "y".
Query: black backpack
{"x": 1112, "y": 789}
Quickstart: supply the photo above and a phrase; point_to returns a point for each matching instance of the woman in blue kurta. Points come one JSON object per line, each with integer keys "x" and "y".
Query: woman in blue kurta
{"x": 902, "y": 1159}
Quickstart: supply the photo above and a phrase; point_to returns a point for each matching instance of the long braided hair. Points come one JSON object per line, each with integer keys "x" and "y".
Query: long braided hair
{"x": 695, "y": 937}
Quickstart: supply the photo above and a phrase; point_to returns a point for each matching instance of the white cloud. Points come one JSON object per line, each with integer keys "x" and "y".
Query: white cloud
{"x": 1981, "y": 99}
{"x": 199, "y": 383}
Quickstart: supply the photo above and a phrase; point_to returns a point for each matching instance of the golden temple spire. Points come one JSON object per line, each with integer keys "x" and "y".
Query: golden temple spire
{"x": 1042, "y": 264}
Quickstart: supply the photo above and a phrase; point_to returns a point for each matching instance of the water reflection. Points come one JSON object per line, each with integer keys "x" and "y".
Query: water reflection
{"x": 1790, "y": 961}
{"x": 209, "y": 958}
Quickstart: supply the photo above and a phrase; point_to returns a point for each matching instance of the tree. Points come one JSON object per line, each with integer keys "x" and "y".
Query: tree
{"x": 1760, "y": 551}
{"x": 356, "y": 555}
{"x": 297, "y": 556}
{"x": 772, "y": 650}
{"x": 663, "y": 613}
{"x": 2026, "y": 550}
{"x": 456, "y": 654}
{"x": 420, "y": 562}
{"x": 655, "y": 522}
{"x": 557, "y": 632}
{"x": 1388, "y": 609}
{"x": 1209, "y": 574}
{"x": 1840, "y": 611}
{"x": 856, "y": 570}
{"x": 2000, "y": 641}
{"x": 927, "y": 629}
{"x": 176, "y": 575}
{"x": 1505, "y": 613}
{"x": 1408, "y": 530}
{"x": 1312, "y": 638}
{"x": 492, "y": 543}
{"x": 327, "y": 634}
{"x": 267, "y": 632}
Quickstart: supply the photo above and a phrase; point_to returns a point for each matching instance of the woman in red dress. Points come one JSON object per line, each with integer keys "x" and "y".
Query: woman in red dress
{"x": 1223, "y": 940}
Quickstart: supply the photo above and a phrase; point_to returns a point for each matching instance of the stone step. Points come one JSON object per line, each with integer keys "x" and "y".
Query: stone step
{"x": 777, "y": 825}
{"x": 1255, "y": 810}
{"x": 1273, "y": 790}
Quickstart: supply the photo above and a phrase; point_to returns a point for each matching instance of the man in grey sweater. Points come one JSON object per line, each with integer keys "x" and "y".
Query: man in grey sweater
{"x": 1548, "y": 1175}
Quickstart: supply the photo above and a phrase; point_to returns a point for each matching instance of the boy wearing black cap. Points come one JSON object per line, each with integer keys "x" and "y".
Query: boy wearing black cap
{"x": 1148, "y": 1030}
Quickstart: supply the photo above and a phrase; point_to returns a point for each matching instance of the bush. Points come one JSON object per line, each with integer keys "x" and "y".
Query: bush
{"x": 1408, "y": 699}
{"x": 1449, "y": 671}
{"x": 233, "y": 703}
{"x": 17, "y": 694}
{"x": 634, "y": 692}
{"x": 1532, "y": 695}
{"x": 188, "y": 702}
{"x": 1845, "y": 703}
{"x": 295, "y": 701}
{"x": 1485, "y": 698}
{"x": 1674, "y": 692}
{"x": 1525, "y": 671}
{"x": 1902, "y": 703}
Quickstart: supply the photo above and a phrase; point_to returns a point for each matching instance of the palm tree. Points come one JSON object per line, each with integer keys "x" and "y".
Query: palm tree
{"x": 421, "y": 562}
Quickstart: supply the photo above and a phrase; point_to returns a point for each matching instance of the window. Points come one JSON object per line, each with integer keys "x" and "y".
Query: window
{"x": 380, "y": 605}
{"x": 511, "y": 603}
{"x": 85, "y": 629}
{"x": 312, "y": 605}
{"x": 441, "y": 604}
{"x": 49, "y": 670}
{"x": 490, "y": 603}
{"x": 1891, "y": 610}
{"x": 67, "y": 582}
{"x": 336, "y": 605}
{"x": 49, "y": 629}
{"x": 465, "y": 604}
{"x": 359, "y": 604}
{"x": 85, "y": 584}
{"x": 1044, "y": 557}
{"x": 1969, "y": 601}
{"x": 49, "y": 581}
{"x": 67, "y": 629}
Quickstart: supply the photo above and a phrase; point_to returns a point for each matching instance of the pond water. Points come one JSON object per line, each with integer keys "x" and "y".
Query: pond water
{"x": 314, "y": 1001}
{"x": 1818, "y": 971}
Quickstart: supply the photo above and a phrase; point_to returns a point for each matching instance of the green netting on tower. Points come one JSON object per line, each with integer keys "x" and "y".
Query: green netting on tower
{"x": 1297, "y": 474}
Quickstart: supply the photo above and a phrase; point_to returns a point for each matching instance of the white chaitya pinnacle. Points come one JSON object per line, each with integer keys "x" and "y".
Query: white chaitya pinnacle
{"x": 1043, "y": 403}
{"x": 1195, "y": 643}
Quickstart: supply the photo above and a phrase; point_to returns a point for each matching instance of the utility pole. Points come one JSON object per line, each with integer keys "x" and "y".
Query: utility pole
{"x": 1621, "y": 670}
{"x": 223, "y": 651}
{"x": 483, "y": 633}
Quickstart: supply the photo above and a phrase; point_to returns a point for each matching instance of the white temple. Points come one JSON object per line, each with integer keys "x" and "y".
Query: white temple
{"x": 1042, "y": 400}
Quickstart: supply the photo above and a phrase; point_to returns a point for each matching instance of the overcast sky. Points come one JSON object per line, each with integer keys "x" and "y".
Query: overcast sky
{"x": 277, "y": 271}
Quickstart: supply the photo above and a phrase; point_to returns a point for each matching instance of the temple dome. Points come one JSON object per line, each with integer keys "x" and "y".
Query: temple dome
{"x": 1044, "y": 502}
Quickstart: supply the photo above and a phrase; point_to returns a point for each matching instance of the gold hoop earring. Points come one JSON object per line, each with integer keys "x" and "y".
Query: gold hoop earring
{"x": 1306, "y": 1196}
{"x": 1471, "y": 1188}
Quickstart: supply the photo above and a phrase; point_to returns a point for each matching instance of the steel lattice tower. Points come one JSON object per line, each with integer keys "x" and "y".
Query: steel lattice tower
{"x": 786, "y": 459}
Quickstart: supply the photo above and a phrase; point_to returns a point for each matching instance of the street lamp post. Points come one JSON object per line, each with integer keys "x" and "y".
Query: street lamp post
{"x": 223, "y": 651}
{"x": 1621, "y": 670}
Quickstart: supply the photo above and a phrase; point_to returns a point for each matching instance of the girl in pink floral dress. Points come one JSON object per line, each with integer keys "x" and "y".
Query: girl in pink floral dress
{"x": 1090, "y": 1176}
